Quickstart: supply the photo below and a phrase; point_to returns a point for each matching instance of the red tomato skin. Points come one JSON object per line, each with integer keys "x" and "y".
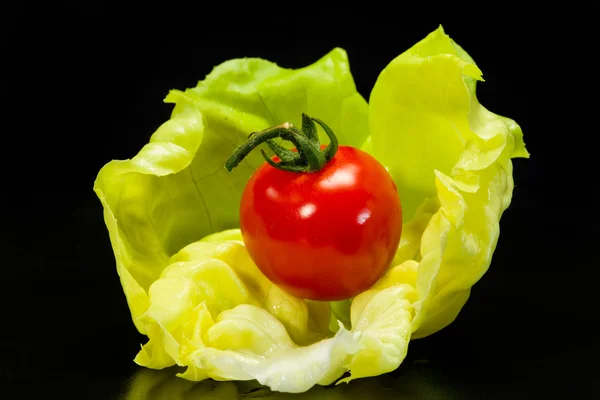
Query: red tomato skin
{"x": 326, "y": 235}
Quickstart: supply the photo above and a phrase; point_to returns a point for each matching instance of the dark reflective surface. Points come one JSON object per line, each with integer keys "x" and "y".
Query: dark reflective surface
{"x": 417, "y": 380}
{"x": 87, "y": 83}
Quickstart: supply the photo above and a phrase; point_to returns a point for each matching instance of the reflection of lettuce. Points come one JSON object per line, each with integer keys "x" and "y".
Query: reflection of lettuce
{"x": 171, "y": 212}
{"x": 416, "y": 381}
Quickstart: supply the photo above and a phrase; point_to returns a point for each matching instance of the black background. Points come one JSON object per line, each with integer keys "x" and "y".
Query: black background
{"x": 84, "y": 84}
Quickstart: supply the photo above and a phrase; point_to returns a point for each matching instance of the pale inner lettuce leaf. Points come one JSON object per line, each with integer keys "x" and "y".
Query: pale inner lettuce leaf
{"x": 172, "y": 216}
{"x": 260, "y": 332}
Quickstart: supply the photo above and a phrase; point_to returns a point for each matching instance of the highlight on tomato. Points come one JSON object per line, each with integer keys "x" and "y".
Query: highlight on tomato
{"x": 321, "y": 222}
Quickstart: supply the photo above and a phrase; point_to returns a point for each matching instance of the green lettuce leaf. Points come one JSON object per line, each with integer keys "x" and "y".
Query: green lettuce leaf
{"x": 442, "y": 147}
{"x": 172, "y": 216}
{"x": 176, "y": 190}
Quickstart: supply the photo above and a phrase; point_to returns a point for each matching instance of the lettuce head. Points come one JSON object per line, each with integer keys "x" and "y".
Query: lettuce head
{"x": 172, "y": 216}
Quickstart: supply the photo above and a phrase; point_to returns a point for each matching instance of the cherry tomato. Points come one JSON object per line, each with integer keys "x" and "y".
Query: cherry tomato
{"x": 325, "y": 235}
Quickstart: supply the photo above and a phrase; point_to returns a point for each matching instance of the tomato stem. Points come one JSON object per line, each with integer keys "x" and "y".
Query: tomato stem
{"x": 308, "y": 158}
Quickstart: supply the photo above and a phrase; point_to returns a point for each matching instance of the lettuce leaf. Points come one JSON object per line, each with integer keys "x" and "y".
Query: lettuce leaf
{"x": 172, "y": 217}
{"x": 440, "y": 144}
{"x": 176, "y": 190}
{"x": 262, "y": 333}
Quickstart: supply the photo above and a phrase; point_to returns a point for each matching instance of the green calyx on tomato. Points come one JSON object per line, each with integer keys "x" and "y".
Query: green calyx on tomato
{"x": 309, "y": 156}
{"x": 321, "y": 222}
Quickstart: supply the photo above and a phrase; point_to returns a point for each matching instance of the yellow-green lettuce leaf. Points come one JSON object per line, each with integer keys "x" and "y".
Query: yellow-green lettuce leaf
{"x": 176, "y": 190}
{"x": 443, "y": 148}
